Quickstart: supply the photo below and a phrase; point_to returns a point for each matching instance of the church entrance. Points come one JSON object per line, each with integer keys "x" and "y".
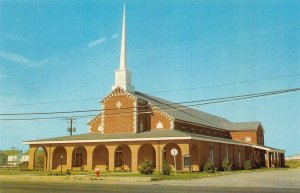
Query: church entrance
{"x": 123, "y": 158}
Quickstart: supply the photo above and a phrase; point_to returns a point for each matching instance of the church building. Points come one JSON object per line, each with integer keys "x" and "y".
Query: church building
{"x": 133, "y": 127}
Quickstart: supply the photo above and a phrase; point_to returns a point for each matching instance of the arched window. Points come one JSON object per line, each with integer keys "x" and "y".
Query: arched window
{"x": 159, "y": 125}
{"x": 78, "y": 157}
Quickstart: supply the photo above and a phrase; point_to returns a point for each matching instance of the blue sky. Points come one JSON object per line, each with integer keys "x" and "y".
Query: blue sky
{"x": 54, "y": 51}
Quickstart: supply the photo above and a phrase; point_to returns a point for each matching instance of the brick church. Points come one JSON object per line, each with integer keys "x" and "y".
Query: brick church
{"x": 134, "y": 126}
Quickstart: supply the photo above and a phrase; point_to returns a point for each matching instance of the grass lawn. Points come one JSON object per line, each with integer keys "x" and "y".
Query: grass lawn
{"x": 292, "y": 163}
{"x": 154, "y": 177}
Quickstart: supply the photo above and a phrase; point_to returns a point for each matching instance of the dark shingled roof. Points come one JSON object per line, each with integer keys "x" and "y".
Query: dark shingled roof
{"x": 187, "y": 114}
{"x": 242, "y": 126}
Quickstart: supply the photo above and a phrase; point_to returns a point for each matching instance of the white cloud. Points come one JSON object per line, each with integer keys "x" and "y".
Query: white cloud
{"x": 114, "y": 36}
{"x": 96, "y": 42}
{"x": 21, "y": 60}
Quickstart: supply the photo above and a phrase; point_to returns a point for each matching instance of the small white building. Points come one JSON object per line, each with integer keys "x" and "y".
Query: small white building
{"x": 13, "y": 157}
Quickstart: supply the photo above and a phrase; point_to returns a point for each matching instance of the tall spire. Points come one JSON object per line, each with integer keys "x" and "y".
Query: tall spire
{"x": 123, "y": 43}
{"x": 122, "y": 75}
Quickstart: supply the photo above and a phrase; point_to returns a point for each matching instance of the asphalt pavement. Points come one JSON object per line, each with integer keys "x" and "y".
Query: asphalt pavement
{"x": 279, "y": 181}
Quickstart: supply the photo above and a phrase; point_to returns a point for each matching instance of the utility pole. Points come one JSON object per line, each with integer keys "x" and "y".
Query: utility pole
{"x": 71, "y": 129}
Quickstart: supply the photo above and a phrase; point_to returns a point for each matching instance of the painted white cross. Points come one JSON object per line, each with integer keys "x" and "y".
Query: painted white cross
{"x": 119, "y": 104}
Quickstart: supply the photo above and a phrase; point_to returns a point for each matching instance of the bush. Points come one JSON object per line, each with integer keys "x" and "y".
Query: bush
{"x": 166, "y": 168}
{"x": 248, "y": 165}
{"x": 146, "y": 167}
{"x": 226, "y": 165}
{"x": 209, "y": 167}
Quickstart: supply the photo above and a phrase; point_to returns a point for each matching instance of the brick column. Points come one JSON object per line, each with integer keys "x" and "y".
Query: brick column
{"x": 69, "y": 157}
{"x": 31, "y": 157}
{"x": 185, "y": 150}
{"x": 48, "y": 162}
{"x": 134, "y": 157}
{"x": 89, "y": 157}
{"x": 159, "y": 156}
{"x": 111, "y": 157}
{"x": 267, "y": 159}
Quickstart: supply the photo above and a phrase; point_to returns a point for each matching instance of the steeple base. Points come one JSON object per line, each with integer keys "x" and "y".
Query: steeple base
{"x": 123, "y": 79}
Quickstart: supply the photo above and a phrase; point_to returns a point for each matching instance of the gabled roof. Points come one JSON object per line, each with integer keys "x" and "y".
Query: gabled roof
{"x": 242, "y": 126}
{"x": 190, "y": 115}
{"x": 183, "y": 113}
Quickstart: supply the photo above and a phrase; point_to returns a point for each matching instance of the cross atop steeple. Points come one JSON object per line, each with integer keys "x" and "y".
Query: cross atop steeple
{"x": 122, "y": 75}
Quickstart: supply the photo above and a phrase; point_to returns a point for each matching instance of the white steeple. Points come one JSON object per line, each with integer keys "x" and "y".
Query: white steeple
{"x": 122, "y": 75}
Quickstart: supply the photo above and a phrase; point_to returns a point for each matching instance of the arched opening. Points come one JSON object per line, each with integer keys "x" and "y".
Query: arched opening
{"x": 195, "y": 159}
{"x": 79, "y": 157}
{"x": 100, "y": 157}
{"x": 59, "y": 158}
{"x": 40, "y": 159}
{"x": 123, "y": 158}
{"x": 170, "y": 158}
{"x": 147, "y": 153}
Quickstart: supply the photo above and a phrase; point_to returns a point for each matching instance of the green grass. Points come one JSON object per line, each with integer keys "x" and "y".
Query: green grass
{"x": 292, "y": 163}
{"x": 154, "y": 177}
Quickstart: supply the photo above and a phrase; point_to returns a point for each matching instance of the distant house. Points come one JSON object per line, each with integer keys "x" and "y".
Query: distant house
{"x": 3, "y": 158}
{"x": 13, "y": 156}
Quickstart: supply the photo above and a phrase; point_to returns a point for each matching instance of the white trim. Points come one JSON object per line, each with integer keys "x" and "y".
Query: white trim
{"x": 106, "y": 140}
{"x": 220, "y": 141}
{"x": 268, "y": 149}
{"x": 135, "y": 139}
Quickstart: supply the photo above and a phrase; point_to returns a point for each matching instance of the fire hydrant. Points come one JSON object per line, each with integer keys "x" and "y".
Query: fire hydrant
{"x": 97, "y": 172}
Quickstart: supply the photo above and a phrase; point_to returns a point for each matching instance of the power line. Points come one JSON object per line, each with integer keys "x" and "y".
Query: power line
{"x": 166, "y": 91}
{"x": 199, "y": 103}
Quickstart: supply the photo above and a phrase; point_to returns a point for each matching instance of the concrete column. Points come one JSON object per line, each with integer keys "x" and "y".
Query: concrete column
{"x": 69, "y": 157}
{"x": 111, "y": 155}
{"x": 134, "y": 157}
{"x": 31, "y": 157}
{"x": 89, "y": 155}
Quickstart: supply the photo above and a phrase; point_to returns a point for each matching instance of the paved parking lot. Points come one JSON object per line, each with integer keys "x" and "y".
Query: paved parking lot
{"x": 277, "y": 179}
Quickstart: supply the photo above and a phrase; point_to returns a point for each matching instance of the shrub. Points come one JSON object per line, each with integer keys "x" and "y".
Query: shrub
{"x": 226, "y": 165}
{"x": 209, "y": 167}
{"x": 248, "y": 165}
{"x": 146, "y": 167}
{"x": 166, "y": 168}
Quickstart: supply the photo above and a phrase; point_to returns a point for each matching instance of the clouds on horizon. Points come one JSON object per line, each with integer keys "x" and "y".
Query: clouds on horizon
{"x": 21, "y": 60}
{"x": 97, "y": 42}
{"x": 101, "y": 40}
